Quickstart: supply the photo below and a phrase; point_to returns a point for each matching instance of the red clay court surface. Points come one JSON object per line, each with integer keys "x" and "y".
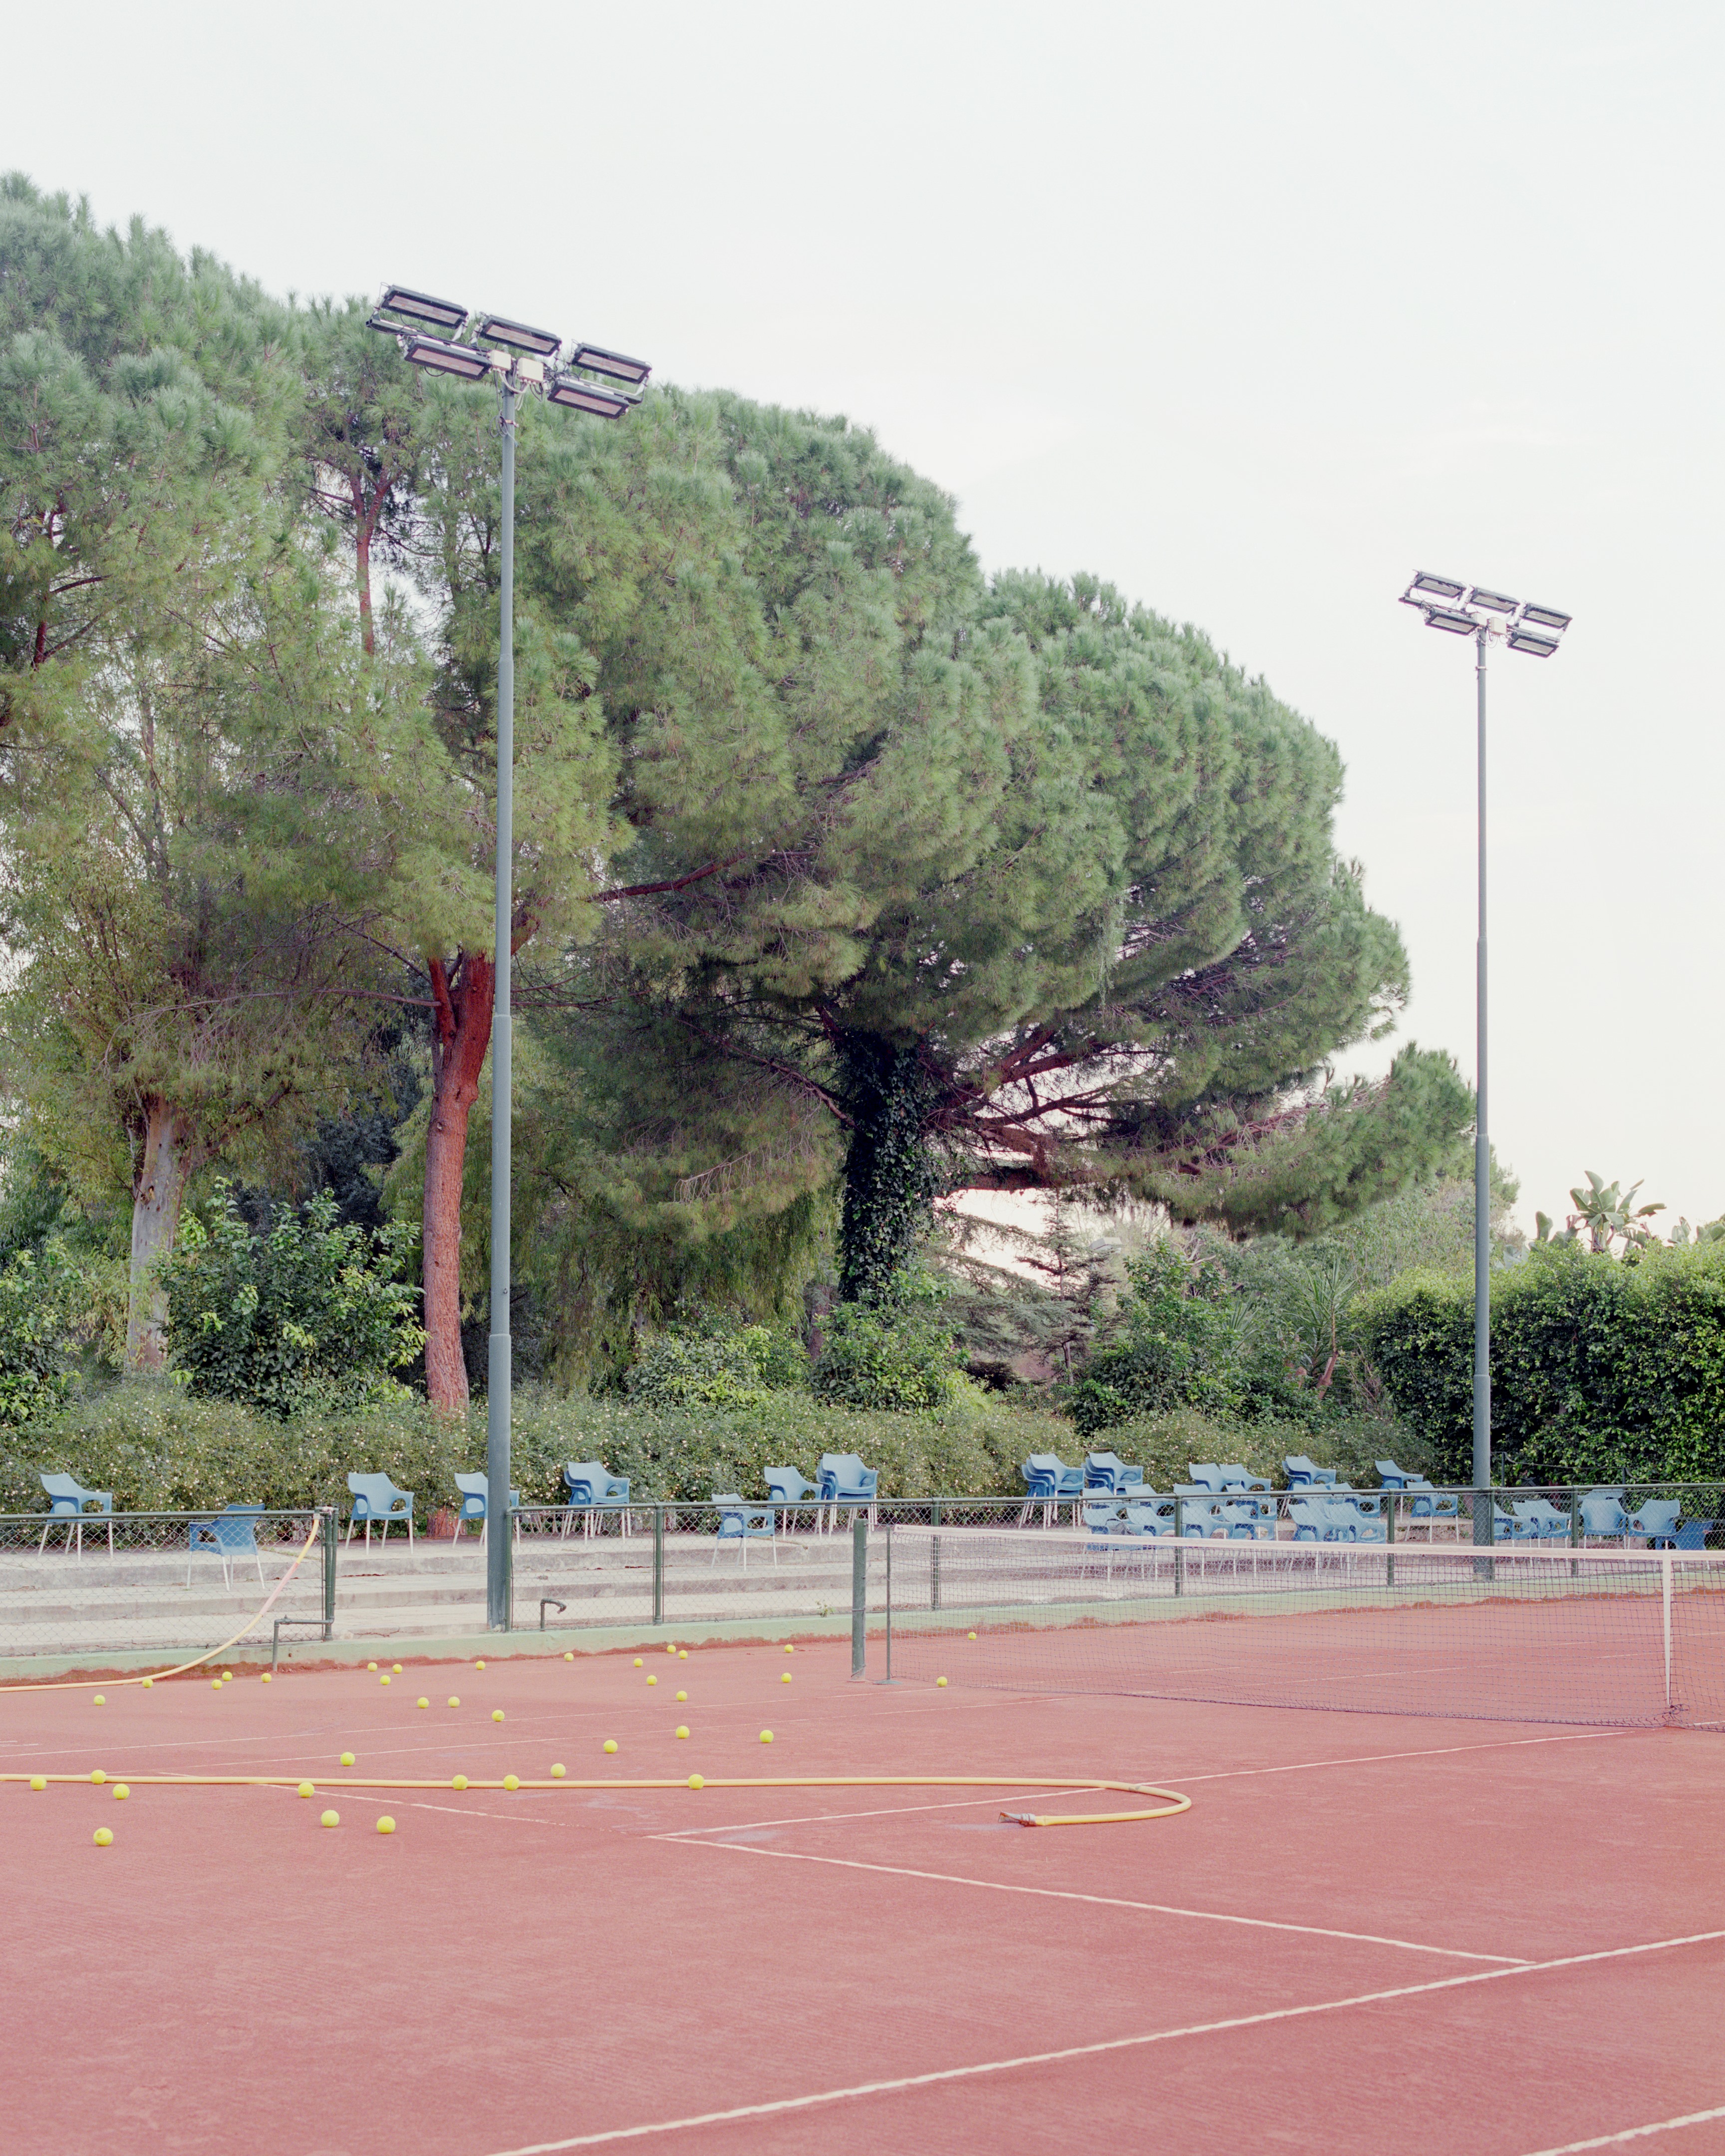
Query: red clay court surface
{"x": 1370, "y": 1933}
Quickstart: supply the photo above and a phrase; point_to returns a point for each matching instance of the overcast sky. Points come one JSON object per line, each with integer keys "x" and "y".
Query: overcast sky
{"x": 1251, "y": 308}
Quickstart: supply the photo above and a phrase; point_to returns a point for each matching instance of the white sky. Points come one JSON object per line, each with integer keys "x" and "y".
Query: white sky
{"x": 1252, "y": 308}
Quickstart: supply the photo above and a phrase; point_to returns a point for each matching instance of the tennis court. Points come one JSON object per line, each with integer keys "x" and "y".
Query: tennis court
{"x": 1370, "y": 1931}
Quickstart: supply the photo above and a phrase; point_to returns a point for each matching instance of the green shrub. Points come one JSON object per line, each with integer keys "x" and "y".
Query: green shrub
{"x": 1165, "y": 1446}
{"x": 314, "y": 1314}
{"x": 1178, "y": 1346}
{"x": 898, "y": 1354}
{"x": 713, "y": 1369}
{"x": 1603, "y": 1369}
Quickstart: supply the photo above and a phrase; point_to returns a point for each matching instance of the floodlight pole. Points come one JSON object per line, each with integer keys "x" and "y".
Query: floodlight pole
{"x": 500, "y": 1551}
{"x": 1481, "y": 1163}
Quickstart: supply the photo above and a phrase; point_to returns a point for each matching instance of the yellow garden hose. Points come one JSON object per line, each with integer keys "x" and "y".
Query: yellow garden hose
{"x": 1175, "y": 1802}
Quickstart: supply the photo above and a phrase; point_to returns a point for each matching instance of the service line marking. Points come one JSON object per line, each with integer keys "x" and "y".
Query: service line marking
{"x": 1126, "y": 2044}
{"x": 1100, "y": 1901}
{"x": 1634, "y": 2133}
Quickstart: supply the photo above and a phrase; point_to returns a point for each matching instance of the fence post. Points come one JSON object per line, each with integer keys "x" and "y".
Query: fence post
{"x": 1665, "y": 1566}
{"x": 889, "y": 1602}
{"x": 329, "y": 1569}
{"x": 1389, "y": 1503}
{"x": 659, "y": 1564}
{"x": 1179, "y": 1545}
{"x": 859, "y": 1595}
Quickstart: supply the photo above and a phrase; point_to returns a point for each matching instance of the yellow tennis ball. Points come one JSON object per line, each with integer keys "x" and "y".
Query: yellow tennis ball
{"x": 103, "y": 1837}
{"x": 682, "y": 1695}
{"x": 790, "y": 1650}
{"x": 610, "y": 1744}
{"x": 120, "y": 1792}
{"x": 39, "y": 1781}
{"x": 784, "y": 1676}
{"x": 100, "y": 1700}
{"x": 227, "y": 1676}
{"x": 266, "y": 1677}
{"x": 346, "y": 1758}
{"x": 454, "y": 1700}
{"x": 306, "y": 1789}
{"x": 396, "y": 1666}
{"x": 479, "y": 1666}
{"x": 97, "y": 1776}
{"x": 384, "y": 1679}
{"x": 457, "y": 1781}
{"x": 970, "y": 1635}
{"x": 682, "y": 1653}
{"x": 371, "y": 1665}
{"x": 652, "y": 1680}
{"x": 638, "y": 1662}
{"x": 557, "y": 1772}
{"x": 766, "y": 1735}
{"x": 682, "y": 1729}
{"x": 148, "y": 1682}
{"x": 423, "y": 1702}
{"x": 696, "y": 1781}
{"x": 570, "y": 1655}
{"x": 511, "y": 1782}
{"x": 385, "y": 1824}
{"x": 215, "y": 1684}
{"x": 330, "y": 1819}
{"x": 940, "y": 1680}
{"x": 496, "y": 1714}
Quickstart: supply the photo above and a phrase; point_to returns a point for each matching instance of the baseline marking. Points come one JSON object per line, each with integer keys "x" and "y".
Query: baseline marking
{"x": 1634, "y": 2133}
{"x": 696, "y": 1837}
{"x": 1118, "y": 2043}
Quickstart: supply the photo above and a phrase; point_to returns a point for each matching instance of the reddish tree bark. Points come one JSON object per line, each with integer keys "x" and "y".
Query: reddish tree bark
{"x": 163, "y": 1167}
{"x": 461, "y": 1032}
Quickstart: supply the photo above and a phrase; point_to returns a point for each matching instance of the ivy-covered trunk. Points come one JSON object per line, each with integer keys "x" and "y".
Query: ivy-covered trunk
{"x": 890, "y": 1174}
{"x": 162, "y": 1169}
{"x": 461, "y": 1032}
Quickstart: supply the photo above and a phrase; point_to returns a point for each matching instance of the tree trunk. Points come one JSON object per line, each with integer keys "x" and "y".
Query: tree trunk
{"x": 158, "y": 1188}
{"x": 461, "y": 1035}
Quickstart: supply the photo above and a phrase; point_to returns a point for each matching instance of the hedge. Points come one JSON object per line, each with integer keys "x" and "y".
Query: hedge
{"x": 1603, "y": 1369}
{"x": 158, "y": 1450}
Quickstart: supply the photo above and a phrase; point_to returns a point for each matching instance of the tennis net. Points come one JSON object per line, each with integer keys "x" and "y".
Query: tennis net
{"x": 1621, "y": 1638}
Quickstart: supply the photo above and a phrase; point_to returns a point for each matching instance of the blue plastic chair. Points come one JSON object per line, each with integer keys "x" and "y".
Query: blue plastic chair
{"x": 789, "y": 1487}
{"x": 376, "y": 1498}
{"x": 67, "y": 1498}
{"x": 1107, "y": 1472}
{"x": 1313, "y": 1523}
{"x": 1511, "y": 1527}
{"x": 1205, "y": 1476}
{"x": 230, "y": 1534}
{"x": 1657, "y": 1520}
{"x": 475, "y": 1504}
{"x": 845, "y": 1481}
{"x": 594, "y": 1490}
{"x": 1303, "y": 1475}
{"x": 1543, "y": 1519}
{"x": 1048, "y": 1482}
{"x": 744, "y": 1524}
{"x": 1693, "y": 1534}
{"x": 1602, "y": 1518}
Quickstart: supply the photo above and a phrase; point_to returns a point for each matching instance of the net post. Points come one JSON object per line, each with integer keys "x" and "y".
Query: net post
{"x": 1664, "y": 1566}
{"x": 889, "y": 1602}
{"x": 329, "y": 1569}
{"x": 1389, "y": 1497}
{"x": 659, "y": 1564}
{"x": 934, "y": 1572}
{"x": 1179, "y": 1545}
{"x": 859, "y": 1595}
{"x": 1484, "y": 1530}
{"x": 1574, "y": 1527}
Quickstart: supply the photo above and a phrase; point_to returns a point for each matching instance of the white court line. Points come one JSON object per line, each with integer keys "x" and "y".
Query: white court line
{"x": 464, "y": 1811}
{"x": 887, "y": 1811}
{"x": 1110, "y": 2044}
{"x": 1634, "y": 2133}
{"x": 1100, "y": 1901}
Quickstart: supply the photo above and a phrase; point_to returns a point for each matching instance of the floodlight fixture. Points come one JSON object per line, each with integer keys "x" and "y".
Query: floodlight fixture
{"x": 579, "y": 396}
{"x": 1449, "y": 620}
{"x": 1492, "y": 602}
{"x": 420, "y": 307}
{"x": 444, "y": 358}
{"x": 1533, "y": 641}
{"x": 1434, "y": 587}
{"x": 615, "y": 364}
{"x": 1545, "y": 618}
{"x": 539, "y": 344}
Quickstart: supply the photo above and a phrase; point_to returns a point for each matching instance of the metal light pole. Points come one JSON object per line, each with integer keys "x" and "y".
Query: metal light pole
{"x": 522, "y": 359}
{"x": 1472, "y": 610}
